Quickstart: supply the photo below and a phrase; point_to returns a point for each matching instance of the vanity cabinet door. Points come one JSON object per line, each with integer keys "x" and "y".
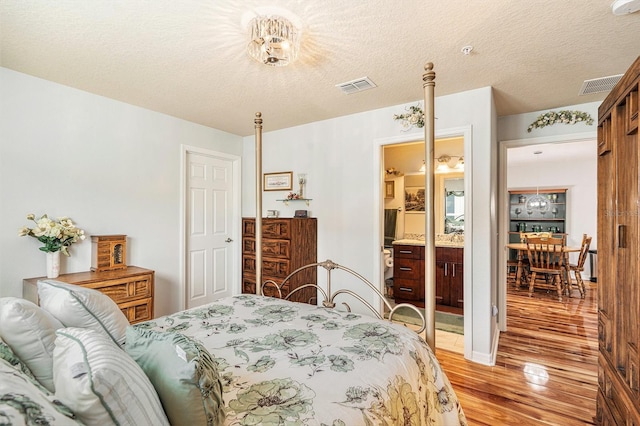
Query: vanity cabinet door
{"x": 449, "y": 276}
{"x": 442, "y": 294}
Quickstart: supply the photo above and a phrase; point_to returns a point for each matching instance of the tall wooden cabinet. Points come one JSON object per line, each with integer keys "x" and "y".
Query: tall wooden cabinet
{"x": 618, "y": 400}
{"x": 287, "y": 244}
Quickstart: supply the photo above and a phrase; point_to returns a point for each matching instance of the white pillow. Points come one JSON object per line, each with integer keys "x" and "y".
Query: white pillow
{"x": 30, "y": 332}
{"x": 24, "y": 403}
{"x": 77, "y": 306}
{"x": 101, "y": 383}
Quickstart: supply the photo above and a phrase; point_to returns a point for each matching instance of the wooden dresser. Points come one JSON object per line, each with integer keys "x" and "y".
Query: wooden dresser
{"x": 131, "y": 288}
{"x": 287, "y": 244}
{"x": 618, "y": 401}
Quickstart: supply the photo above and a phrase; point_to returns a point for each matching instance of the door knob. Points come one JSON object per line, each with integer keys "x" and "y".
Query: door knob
{"x": 228, "y": 240}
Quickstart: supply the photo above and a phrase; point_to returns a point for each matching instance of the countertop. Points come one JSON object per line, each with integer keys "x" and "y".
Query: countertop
{"x": 409, "y": 242}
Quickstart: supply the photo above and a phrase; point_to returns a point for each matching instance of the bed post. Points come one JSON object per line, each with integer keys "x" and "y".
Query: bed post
{"x": 428, "y": 84}
{"x": 258, "y": 125}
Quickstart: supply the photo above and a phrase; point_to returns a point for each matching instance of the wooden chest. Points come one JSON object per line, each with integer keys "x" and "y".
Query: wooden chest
{"x": 131, "y": 288}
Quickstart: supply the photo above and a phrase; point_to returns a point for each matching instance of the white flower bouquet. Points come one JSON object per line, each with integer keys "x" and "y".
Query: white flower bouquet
{"x": 56, "y": 235}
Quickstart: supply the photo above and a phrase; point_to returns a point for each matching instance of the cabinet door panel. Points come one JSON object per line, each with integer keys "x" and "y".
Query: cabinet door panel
{"x": 442, "y": 293}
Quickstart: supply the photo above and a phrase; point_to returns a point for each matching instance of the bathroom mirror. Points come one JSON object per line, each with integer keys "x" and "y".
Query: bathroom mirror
{"x": 453, "y": 205}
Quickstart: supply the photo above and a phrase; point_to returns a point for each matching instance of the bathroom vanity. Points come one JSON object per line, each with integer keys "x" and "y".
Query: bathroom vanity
{"x": 409, "y": 269}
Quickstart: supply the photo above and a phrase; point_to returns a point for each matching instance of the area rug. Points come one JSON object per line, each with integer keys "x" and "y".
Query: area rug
{"x": 444, "y": 321}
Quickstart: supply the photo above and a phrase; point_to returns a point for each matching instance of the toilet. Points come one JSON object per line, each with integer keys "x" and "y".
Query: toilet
{"x": 388, "y": 263}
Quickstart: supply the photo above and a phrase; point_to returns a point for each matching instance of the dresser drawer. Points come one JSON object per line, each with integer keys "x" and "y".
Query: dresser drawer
{"x": 271, "y": 228}
{"x": 270, "y": 247}
{"x": 249, "y": 286}
{"x": 137, "y": 310}
{"x": 408, "y": 252}
{"x": 408, "y": 268}
{"x": 125, "y": 289}
{"x": 407, "y": 289}
{"x": 270, "y": 267}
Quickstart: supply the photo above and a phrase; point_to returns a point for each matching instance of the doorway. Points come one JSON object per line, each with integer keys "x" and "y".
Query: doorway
{"x": 210, "y": 225}
{"x": 574, "y": 156}
{"x": 403, "y": 199}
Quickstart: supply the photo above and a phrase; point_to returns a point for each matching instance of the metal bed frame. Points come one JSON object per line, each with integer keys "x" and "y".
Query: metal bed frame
{"x": 329, "y": 296}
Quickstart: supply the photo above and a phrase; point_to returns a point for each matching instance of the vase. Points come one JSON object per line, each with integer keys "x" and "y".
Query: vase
{"x": 53, "y": 264}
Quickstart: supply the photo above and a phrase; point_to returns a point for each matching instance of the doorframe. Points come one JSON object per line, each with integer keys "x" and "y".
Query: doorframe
{"x": 503, "y": 206}
{"x": 235, "y": 203}
{"x": 466, "y": 133}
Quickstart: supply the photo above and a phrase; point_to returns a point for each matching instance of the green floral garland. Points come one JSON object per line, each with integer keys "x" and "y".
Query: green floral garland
{"x": 564, "y": 117}
{"x": 415, "y": 117}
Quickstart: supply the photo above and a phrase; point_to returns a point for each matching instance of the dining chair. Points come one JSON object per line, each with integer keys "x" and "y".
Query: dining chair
{"x": 525, "y": 235}
{"x": 578, "y": 267}
{"x": 546, "y": 257}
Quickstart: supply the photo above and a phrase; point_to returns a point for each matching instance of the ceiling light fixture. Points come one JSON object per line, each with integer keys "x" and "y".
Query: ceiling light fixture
{"x": 274, "y": 36}
{"x": 467, "y": 50}
{"x": 624, "y": 7}
{"x": 537, "y": 202}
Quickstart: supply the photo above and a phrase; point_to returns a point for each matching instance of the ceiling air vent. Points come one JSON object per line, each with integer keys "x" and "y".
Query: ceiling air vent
{"x": 357, "y": 85}
{"x": 597, "y": 85}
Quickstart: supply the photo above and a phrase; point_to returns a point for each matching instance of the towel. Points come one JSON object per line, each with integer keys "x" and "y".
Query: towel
{"x": 390, "y": 216}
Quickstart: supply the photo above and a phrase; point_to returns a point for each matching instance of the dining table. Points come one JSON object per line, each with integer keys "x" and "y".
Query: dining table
{"x": 521, "y": 249}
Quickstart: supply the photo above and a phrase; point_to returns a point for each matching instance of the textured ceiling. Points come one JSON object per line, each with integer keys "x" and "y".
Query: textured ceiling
{"x": 187, "y": 58}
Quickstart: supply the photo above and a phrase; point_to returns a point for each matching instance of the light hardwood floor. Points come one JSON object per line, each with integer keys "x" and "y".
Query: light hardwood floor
{"x": 546, "y": 367}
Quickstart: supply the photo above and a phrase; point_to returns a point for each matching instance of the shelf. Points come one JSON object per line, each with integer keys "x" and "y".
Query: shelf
{"x": 287, "y": 200}
{"x": 524, "y": 204}
{"x": 543, "y": 219}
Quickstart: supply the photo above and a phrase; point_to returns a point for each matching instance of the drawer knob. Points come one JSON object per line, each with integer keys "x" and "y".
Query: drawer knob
{"x": 403, "y": 268}
{"x": 410, "y": 290}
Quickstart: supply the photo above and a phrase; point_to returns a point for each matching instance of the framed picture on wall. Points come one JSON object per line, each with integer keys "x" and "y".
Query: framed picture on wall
{"x": 280, "y": 181}
{"x": 389, "y": 189}
{"x": 414, "y": 199}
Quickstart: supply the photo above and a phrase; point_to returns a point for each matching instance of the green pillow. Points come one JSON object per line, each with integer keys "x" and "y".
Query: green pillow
{"x": 183, "y": 373}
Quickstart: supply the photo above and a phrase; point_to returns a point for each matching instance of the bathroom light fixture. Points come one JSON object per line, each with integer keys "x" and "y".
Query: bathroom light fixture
{"x": 447, "y": 163}
{"x": 423, "y": 168}
{"x": 443, "y": 163}
{"x": 274, "y": 34}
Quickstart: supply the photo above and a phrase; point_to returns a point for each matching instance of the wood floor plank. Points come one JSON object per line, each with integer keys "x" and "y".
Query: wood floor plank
{"x": 546, "y": 369}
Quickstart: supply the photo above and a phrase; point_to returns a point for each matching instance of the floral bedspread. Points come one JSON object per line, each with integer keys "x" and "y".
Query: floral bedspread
{"x": 287, "y": 363}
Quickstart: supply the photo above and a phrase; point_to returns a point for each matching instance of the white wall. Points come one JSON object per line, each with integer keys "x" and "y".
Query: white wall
{"x": 339, "y": 157}
{"x": 112, "y": 167}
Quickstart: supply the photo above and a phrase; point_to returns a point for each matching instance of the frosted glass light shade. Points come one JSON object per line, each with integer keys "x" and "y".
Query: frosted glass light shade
{"x": 538, "y": 203}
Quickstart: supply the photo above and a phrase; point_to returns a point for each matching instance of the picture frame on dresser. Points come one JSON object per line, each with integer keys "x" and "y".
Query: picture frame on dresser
{"x": 280, "y": 181}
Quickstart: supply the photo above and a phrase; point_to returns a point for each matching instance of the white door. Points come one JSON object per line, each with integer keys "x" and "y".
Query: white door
{"x": 210, "y": 212}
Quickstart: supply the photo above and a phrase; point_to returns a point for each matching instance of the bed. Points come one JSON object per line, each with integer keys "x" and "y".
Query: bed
{"x": 293, "y": 363}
